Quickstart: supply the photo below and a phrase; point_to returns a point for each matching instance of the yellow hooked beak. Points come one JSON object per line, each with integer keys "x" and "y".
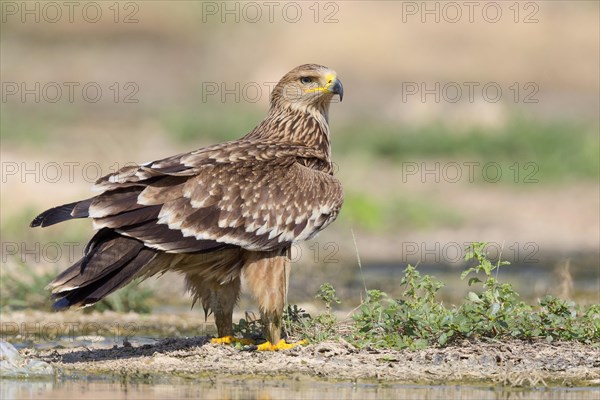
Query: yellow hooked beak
{"x": 336, "y": 88}
{"x": 333, "y": 85}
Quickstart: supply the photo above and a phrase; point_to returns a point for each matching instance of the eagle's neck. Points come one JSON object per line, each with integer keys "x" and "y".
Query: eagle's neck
{"x": 305, "y": 126}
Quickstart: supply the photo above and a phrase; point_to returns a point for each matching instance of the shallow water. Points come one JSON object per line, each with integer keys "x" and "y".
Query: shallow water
{"x": 105, "y": 387}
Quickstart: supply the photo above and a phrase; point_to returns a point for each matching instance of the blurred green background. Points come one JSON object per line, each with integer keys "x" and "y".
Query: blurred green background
{"x": 427, "y": 164}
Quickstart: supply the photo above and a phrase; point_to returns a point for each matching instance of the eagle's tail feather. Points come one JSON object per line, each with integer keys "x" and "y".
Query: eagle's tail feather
{"x": 110, "y": 262}
{"x": 78, "y": 209}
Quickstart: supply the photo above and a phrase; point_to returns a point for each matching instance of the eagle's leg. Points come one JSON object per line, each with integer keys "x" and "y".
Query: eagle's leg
{"x": 222, "y": 299}
{"x": 266, "y": 274}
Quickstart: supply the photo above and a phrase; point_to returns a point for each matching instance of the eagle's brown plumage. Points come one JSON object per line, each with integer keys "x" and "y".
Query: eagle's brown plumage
{"x": 220, "y": 214}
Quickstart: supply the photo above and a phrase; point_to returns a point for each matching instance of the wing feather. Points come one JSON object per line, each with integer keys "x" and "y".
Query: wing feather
{"x": 254, "y": 195}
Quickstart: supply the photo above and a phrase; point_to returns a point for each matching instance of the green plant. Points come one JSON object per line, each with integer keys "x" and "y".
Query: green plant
{"x": 299, "y": 324}
{"x": 413, "y": 321}
{"x": 491, "y": 309}
{"x": 559, "y": 319}
{"x": 296, "y": 321}
{"x": 326, "y": 293}
{"x": 249, "y": 327}
{"x": 497, "y": 309}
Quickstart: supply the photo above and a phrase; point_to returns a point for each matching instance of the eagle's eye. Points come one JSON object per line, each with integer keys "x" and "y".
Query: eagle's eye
{"x": 306, "y": 79}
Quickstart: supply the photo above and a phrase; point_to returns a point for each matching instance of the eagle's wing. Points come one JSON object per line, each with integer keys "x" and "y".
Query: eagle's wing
{"x": 258, "y": 196}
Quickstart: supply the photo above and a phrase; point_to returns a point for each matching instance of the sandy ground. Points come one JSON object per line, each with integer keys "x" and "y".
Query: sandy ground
{"x": 143, "y": 346}
{"x": 509, "y": 363}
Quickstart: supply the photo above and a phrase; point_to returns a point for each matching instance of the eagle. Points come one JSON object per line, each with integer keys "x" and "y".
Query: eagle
{"x": 221, "y": 215}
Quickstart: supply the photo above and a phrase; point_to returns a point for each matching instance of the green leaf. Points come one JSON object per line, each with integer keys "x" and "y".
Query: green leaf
{"x": 495, "y": 308}
{"x": 474, "y": 280}
{"x": 443, "y": 339}
{"x": 474, "y": 298}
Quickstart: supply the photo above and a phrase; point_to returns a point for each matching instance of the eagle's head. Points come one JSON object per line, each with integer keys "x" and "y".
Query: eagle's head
{"x": 309, "y": 88}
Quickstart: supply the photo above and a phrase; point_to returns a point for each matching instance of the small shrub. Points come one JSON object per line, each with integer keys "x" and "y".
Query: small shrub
{"x": 299, "y": 324}
{"x": 417, "y": 319}
{"x": 249, "y": 327}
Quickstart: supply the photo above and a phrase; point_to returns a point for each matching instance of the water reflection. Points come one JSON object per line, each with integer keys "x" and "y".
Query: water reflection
{"x": 272, "y": 388}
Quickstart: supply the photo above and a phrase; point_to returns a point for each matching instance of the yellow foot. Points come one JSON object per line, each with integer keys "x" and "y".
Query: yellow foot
{"x": 230, "y": 340}
{"x": 281, "y": 345}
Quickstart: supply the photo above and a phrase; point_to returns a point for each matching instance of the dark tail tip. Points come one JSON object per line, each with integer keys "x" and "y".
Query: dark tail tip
{"x": 53, "y": 216}
{"x": 78, "y": 209}
{"x": 61, "y": 304}
{"x": 37, "y": 221}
